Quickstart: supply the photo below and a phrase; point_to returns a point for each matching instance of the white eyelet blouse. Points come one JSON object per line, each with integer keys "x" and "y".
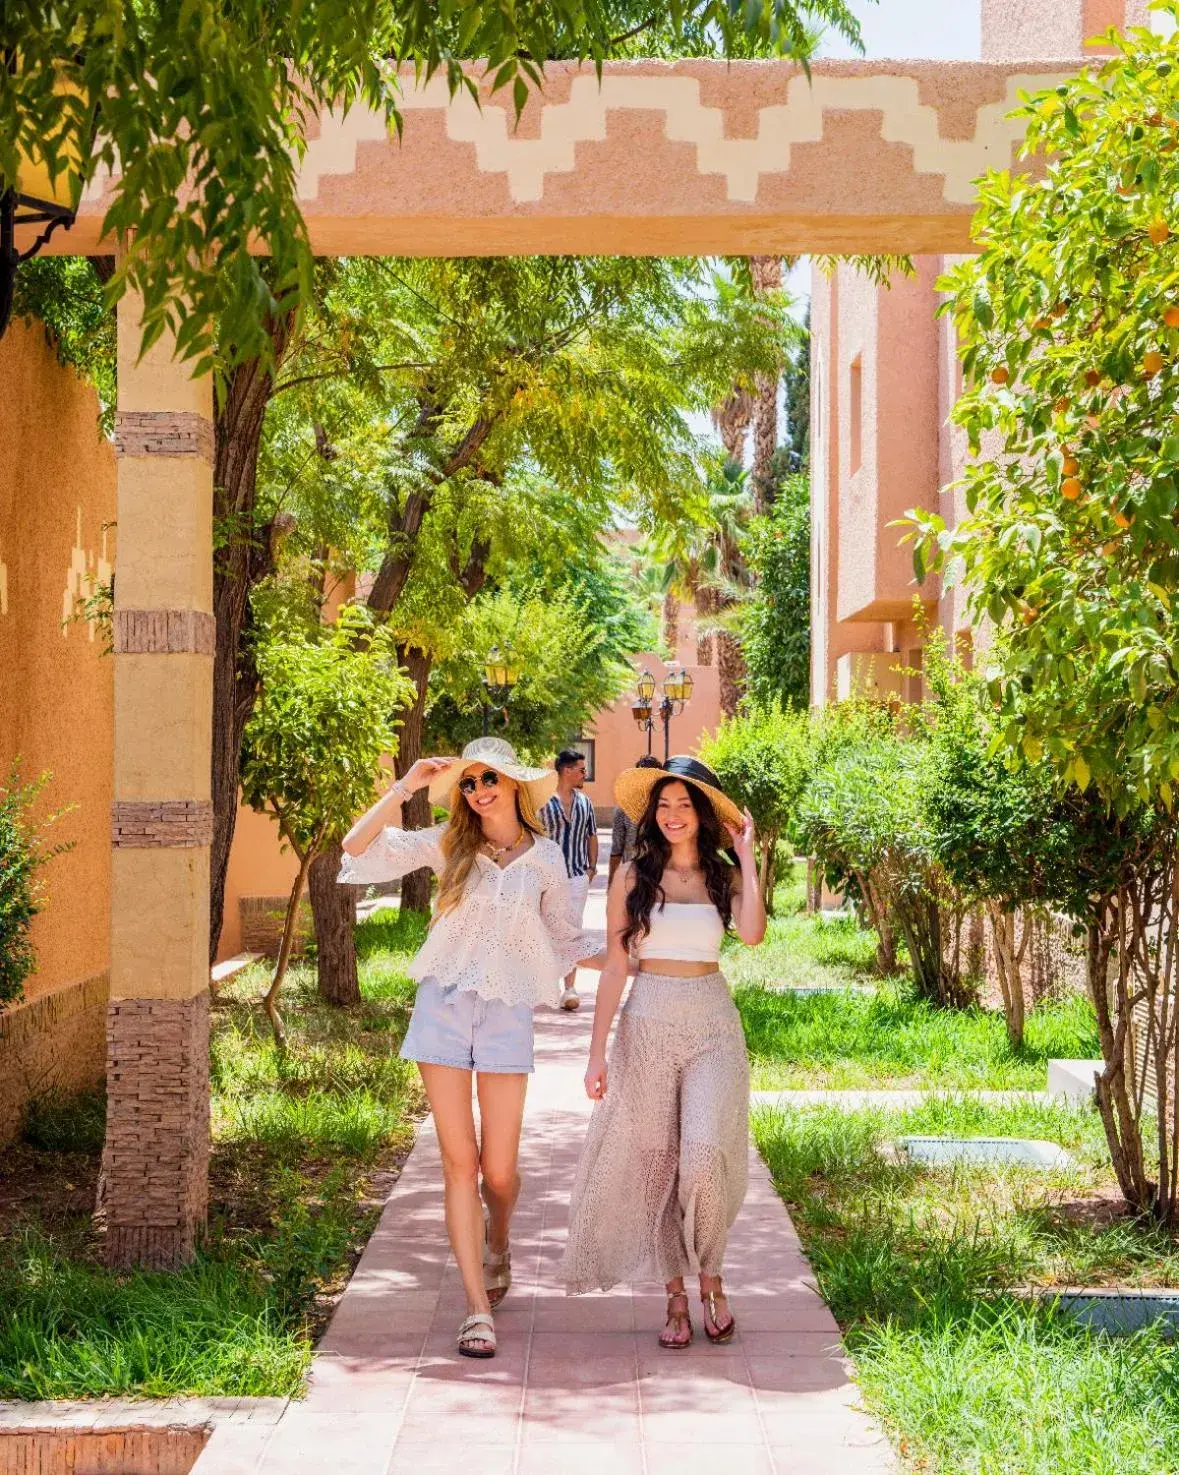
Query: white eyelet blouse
{"x": 510, "y": 937}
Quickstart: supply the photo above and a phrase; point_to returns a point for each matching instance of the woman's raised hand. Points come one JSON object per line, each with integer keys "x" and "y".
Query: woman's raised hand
{"x": 744, "y": 840}
{"x": 423, "y": 771}
{"x": 595, "y": 1078}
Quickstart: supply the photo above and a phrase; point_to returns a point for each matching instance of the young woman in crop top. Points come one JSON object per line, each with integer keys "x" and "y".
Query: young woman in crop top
{"x": 664, "y": 1168}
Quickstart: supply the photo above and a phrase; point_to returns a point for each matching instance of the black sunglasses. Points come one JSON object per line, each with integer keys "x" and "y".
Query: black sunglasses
{"x": 488, "y": 778}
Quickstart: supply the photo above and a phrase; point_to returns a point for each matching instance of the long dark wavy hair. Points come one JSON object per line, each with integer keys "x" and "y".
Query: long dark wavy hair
{"x": 652, "y": 853}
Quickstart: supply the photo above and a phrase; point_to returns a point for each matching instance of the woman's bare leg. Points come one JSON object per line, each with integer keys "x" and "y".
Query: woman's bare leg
{"x": 449, "y": 1091}
{"x": 501, "y": 1115}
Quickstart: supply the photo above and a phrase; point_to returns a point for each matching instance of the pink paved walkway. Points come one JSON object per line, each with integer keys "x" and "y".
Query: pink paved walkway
{"x": 579, "y": 1384}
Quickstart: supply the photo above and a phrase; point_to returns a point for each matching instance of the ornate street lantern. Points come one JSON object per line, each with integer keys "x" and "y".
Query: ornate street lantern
{"x": 499, "y": 678}
{"x": 677, "y": 687}
{"x": 677, "y": 692}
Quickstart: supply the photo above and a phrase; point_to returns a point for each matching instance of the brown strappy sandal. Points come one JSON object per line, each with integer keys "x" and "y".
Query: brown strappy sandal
{"x": 679, "y": 1319}
{"x": 725, "y": 1333}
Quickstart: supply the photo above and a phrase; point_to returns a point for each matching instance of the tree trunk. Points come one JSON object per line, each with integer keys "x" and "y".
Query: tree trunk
{"x": 671, "y": 623}
{"x": 246, "y": 556}
{"x": 767, "y": 277}
{"x": 290, "y": 925}
{"x": 334, "y": 909}
{"x": 732, "y": 419}
{"x": 416, "y": 887}
{"x": 1009, "y": 966}
{"x": 880, "y": 918}
{"x": 705, "y": 602}
{"x": 731, "y": 662}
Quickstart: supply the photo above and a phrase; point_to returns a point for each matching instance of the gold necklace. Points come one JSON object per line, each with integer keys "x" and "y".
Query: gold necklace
{"x": 686, "y": 876}
{"x": 495, "y": 851}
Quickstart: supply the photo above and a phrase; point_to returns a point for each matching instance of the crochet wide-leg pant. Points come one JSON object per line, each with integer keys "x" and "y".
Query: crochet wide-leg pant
{"x": 665, "y": 1166}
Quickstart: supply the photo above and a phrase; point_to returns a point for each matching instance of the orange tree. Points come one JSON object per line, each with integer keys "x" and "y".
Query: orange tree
{"x": 1068, "y": 324}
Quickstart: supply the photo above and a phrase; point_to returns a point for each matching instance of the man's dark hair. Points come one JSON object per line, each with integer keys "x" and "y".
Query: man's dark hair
{"x": 648, "y": 762}
{"x": 567, "y": 757}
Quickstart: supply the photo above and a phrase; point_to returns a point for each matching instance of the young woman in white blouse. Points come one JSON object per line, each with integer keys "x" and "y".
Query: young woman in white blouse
{"x": 499, "y": 941}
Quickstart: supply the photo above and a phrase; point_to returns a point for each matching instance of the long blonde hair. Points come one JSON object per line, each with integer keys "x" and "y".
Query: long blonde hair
{"x": 462, "y": 838}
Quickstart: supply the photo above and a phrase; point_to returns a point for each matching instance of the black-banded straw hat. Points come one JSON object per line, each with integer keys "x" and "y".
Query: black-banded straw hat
{"x": 632, "y": 788}
{"x": 493, "y": 752}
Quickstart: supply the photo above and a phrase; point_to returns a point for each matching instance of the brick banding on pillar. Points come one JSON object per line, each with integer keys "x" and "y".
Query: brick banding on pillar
{"x": 156, "y": 823}
{"x": 164, "y": 632}
{"x": 163, "y": 433}
{"x": 155, "y": 1166}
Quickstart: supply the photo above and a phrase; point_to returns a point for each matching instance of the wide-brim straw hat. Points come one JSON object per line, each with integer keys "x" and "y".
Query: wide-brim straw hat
{"x": 493, "y": 752}
{"x": 632, "y": 788}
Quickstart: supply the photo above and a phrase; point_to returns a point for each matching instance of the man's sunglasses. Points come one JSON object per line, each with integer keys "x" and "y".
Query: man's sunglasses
{"x": 488, "y": 778}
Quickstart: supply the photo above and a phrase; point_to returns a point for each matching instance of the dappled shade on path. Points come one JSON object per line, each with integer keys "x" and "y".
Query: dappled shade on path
{"x": 578, "y": 1382}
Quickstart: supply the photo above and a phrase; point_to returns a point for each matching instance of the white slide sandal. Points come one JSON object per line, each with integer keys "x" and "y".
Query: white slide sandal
{"x": 476, "y": 1337}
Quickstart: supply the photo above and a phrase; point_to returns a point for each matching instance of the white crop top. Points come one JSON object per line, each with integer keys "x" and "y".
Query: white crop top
{"x": 683, "y": 932}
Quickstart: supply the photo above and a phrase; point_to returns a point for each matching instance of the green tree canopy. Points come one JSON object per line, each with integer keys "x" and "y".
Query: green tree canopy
{"x": 569, "y": 640}
{"x": 202, "y": 108}
{"x": 776, "y": 619}
{"x": 1068, "y": 322}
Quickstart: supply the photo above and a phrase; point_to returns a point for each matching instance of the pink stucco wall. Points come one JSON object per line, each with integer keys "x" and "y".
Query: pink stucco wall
{"x": 891, "y": 335}
{"x": 1022, "y": 30}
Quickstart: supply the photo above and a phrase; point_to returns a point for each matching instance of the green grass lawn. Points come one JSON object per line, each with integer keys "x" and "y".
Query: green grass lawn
{"x": 304, "y": 1146}
{"x": 916, "y": 1263}
{"x": 873, "y": 1033}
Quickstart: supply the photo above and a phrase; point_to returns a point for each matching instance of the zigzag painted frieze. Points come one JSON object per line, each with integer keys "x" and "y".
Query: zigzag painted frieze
{"x": 691, "y": 155}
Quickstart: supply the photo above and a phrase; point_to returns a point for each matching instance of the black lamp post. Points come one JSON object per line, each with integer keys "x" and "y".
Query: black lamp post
{"x": 35, "y": 200}
{"x": 641, "y": 709}
{"x": 677, "y": 693}
{"x": 499, "y": 677}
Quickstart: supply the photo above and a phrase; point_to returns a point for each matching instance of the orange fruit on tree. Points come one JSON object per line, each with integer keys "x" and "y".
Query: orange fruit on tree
{"x": 1152, "y": 362}
{"x": 1122, "y": 519}
{"x": 1071, "y": 466}
{"x": 1171, "y": 317}
{"x": 1158, "y": 230}
{"x": 1001, "y": 375}
{"x": 1070, "y": 488}
{"x": 1093, "y": 378}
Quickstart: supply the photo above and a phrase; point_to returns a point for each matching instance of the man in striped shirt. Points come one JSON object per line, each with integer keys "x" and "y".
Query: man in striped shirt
{"x": 569, "y": 819}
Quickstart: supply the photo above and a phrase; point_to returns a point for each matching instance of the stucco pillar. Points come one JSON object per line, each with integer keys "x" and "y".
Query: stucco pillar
{"x": 155, "y": 1170}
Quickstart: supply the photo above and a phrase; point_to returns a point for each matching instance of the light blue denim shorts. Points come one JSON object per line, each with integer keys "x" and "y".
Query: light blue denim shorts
{"x": 451, "y": 1026}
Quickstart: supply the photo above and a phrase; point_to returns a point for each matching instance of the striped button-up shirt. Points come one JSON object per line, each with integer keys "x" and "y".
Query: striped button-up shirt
{"x": 571, "y": 831}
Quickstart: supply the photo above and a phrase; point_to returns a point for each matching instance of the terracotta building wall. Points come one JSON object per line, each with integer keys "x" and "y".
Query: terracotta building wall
{"x": 57, "y": 501}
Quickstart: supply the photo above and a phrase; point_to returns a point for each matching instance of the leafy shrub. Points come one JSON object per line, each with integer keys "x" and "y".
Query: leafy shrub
{"x": 863, "y": 818}
{"x": 22, "y": 855}
{"x": 763, "y": 759}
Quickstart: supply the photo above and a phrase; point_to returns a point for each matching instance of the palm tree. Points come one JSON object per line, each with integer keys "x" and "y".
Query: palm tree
{"x": 766, "y": 272}
{"x": 701, "y": 561}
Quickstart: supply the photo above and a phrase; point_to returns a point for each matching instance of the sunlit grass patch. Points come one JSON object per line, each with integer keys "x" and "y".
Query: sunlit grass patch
{"x": 919, "y": 1265}
{"x": 297, "y": 1138}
